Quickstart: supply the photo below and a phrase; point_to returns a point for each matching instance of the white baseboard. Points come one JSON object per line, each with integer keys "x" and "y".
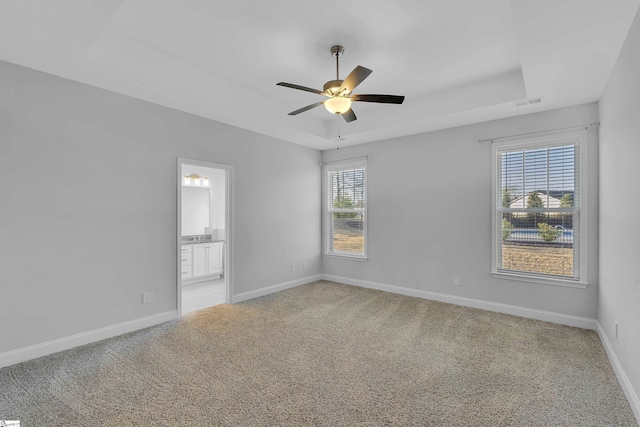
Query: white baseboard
{"x": 274, "y": 288}
{"x": 631, "y": 394}
{"x": 530, "y": 313}
{"x": 49, "y": 347}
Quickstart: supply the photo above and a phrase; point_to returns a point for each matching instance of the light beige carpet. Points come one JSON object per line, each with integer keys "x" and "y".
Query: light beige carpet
{"x": 330, "y": 355}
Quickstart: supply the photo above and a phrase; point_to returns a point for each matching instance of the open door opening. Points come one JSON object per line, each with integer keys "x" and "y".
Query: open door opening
{"x": 204, "y": 234}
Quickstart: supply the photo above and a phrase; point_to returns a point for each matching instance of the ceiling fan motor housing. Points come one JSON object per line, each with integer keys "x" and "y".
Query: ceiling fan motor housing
{"x": 332, "y": 87}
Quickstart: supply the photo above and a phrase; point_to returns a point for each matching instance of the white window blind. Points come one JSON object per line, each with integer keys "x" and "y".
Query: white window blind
{"x": 537, "y": 207}
{"x": 346, "y": 208}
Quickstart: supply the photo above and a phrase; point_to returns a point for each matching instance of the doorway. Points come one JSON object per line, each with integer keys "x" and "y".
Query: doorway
{"x": 204, "y": 238}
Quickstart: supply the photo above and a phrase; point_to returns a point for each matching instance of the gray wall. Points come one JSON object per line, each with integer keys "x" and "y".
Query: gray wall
{"x": 218, "y": 183}
{"x": 88, "y": 208}
{"x": 619, "y": 298}
{"x": 88, "y": 213}
{"x": 422, "y": 189}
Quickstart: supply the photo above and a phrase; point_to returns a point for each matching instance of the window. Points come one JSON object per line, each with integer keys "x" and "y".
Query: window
{"x": 345, "y": 223}
{"x": 538, "y": 208}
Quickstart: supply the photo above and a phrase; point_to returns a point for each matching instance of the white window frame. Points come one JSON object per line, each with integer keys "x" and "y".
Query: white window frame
{"x": 328, "y": 210}
{"x": 579, "y": 138}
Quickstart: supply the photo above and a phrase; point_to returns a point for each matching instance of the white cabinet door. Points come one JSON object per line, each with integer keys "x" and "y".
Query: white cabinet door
{"x": 199, "y": 261}
{"x": 205, "y": 260}
{"x": 215, "y": 258}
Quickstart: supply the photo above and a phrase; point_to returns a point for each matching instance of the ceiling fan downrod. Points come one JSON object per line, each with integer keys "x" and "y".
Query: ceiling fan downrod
{"x": 337, "y": 51}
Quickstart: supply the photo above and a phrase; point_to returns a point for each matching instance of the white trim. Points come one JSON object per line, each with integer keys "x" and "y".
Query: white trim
{"x": 625, "y": 383}
{"x": 228, "y": 244}
{"x": 354, "y": 160}
{"x": 551, "y": 138}
{"x": 545, "y": 280}
{"x": 178, "y": 243}
{"x": 49, "y": 347}
{"x": 529, "y": 313}
{"x": 345, "y": 255}
{"x": 539, "y": 134}
{"x": 274, "y": 288}
{"x": 337, "y": 166}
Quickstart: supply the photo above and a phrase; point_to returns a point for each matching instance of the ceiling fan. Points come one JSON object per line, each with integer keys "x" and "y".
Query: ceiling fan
{"x": 339, "y": 91}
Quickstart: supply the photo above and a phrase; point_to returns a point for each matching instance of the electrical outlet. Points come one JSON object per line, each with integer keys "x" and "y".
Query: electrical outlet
{"x": 456, "y": 280}
{"x": 293, "y": 268}
{"x": 615, "y": 325}
{"x": 304, "y": 265}
{"x": 146, "y": 297}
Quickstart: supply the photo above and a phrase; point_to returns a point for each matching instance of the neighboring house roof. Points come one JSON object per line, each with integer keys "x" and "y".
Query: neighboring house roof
{"x": 547, "y": 201}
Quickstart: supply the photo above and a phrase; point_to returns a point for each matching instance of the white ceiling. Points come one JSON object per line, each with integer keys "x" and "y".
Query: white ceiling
{"x": 457, "y": 62}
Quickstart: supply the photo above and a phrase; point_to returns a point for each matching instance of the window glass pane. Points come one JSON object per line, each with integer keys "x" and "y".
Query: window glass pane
{"x": 538, "y": 178}
{"x": 348, "y": 232}
{"x": 537, "y": 209}
{"x": 345, "y": 225}
{"x": 562, "y": 174}
{"x": 538, "y": 242}
{"x": 512, "y": 180}
{"x": 347, "y": 189}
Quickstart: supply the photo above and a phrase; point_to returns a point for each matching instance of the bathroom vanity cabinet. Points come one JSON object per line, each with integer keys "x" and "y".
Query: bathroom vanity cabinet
{"x": 201, "y": 261}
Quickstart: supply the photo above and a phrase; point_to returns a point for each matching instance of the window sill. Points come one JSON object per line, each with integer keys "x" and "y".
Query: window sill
{"x": 541, "y": 280}
{"x": 346, "y": 256}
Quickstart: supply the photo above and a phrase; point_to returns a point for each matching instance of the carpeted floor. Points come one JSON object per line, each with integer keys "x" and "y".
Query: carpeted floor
{"x": 330, "y": 355}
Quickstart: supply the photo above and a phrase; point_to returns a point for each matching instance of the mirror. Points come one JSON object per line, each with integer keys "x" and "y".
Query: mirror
{"x": 195, "y": 210}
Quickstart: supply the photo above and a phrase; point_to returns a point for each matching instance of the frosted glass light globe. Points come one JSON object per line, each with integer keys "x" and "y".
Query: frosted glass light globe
{"x": 337, "y": 104}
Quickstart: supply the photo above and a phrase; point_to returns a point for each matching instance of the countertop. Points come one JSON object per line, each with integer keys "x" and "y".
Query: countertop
{"x": 195, "y": 242}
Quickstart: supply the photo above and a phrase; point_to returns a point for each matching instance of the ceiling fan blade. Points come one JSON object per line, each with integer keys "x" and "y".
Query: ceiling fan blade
{"x": 308, "y": 107}
{"x": 356, "y": 77}
{"x": 308, "y": 89}
{"x": 349, "y": 115}
{"x": 384, "y": 99}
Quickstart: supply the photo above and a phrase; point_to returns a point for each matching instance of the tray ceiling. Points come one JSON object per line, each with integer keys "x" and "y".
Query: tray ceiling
{"x": 456, "y": 62}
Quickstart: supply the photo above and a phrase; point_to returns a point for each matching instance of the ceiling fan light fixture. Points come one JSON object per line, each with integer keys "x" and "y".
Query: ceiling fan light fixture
{"x": 337, "y": 104}
{"x": 339, "y": 91}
